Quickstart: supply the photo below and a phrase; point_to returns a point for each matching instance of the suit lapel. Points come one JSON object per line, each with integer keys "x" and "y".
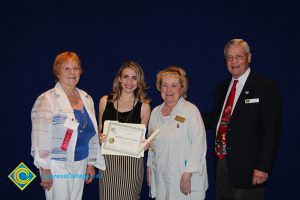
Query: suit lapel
{"x": 87, "y": 101}
{"x": 62, "y": 99}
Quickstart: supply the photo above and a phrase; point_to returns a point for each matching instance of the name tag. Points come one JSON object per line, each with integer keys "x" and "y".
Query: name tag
{"x": 179, "y": 118}
{"x": 256, "y": 100}
{"x": 67, "y": 139}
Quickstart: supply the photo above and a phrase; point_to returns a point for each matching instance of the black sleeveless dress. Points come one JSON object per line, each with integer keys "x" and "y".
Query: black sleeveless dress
{"x": 123, "y": 177}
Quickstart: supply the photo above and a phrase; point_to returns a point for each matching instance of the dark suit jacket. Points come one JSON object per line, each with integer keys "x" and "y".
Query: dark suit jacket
{"x": 253, "y": 131}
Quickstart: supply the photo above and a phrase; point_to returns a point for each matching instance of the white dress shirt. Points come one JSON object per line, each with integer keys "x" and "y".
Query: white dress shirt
{"x": 239, "y": 87}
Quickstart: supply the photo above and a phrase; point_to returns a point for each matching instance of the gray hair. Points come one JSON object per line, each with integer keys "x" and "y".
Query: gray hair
{"x": 235, "y": 42}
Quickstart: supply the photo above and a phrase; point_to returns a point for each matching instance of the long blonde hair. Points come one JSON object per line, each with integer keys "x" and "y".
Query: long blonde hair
{"x": 139, "y": 92}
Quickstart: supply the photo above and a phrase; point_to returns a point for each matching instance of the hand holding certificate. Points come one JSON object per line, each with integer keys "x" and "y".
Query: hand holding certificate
{"x": 123, "y": 139}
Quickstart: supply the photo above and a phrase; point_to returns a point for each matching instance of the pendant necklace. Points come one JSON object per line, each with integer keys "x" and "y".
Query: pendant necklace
{"x": 84, "y": 117}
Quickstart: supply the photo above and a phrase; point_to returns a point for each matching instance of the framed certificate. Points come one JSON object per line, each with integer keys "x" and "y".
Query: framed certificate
{"x": 123, "y": 139}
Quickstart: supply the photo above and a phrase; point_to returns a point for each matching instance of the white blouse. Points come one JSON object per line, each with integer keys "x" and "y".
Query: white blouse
{"x": 179, "y": 147}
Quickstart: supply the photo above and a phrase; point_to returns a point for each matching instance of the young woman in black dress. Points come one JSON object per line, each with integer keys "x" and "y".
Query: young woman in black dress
{"x": 123, "y": 176}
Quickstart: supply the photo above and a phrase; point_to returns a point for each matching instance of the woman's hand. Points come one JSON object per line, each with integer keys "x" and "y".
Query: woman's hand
{"x": 147, "y": 145}
{"x": 46, "y": 179}
{"x": 185, "y": 183}
{"x": 90, "y": 174}
{"x": 102, "y": 137}
{"x": 149, "y": 176}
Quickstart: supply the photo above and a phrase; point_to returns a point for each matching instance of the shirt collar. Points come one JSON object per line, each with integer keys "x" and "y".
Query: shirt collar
{"x": 60, "y": 91}
{"x": 178, "y": 107}
{"x": 242, "y": 79}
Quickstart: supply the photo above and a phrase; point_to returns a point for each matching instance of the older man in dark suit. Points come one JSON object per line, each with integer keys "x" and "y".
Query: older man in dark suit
{"x": 247, "y": 117}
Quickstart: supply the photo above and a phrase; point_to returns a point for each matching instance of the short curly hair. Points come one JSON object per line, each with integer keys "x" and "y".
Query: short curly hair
{"x": 63, "y": 58}
{"x": 176, "y": 71}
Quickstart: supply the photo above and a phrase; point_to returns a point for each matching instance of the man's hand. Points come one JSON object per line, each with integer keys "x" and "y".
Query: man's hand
{"x": 259, "y": 177}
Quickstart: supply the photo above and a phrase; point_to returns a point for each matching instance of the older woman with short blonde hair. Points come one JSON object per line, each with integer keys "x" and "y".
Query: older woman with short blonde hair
{"x": 176, "y": 72}
{"x": 176, "y": 166}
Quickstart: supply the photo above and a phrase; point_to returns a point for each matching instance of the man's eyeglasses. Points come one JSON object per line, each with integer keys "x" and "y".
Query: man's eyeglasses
{"x": 237, "y": 57}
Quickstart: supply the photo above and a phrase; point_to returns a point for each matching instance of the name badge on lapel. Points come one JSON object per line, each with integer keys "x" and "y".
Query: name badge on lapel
{"x": 256, "y": 100}
{"x": 179, "y": 119}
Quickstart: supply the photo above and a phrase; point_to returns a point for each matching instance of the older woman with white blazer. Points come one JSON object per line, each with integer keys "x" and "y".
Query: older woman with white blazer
{"x": 65, "y": 142}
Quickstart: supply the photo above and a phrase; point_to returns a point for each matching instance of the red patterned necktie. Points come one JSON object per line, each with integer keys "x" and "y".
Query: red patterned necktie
{"x": 220, "y": 142}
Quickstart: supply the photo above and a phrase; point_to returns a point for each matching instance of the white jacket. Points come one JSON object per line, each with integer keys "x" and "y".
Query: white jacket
{"x": 179, "y": 147}
{"x": 48, "y": 116}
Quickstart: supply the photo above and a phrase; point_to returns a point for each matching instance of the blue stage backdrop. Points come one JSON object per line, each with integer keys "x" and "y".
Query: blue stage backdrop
{"x": 156, "y": 35}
